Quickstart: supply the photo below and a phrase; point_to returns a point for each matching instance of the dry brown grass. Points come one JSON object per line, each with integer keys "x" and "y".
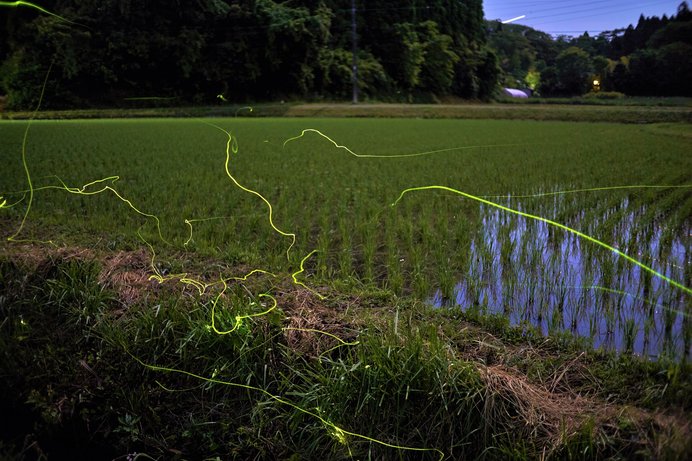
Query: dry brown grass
{"x": 548, "y": 409}
{"x": 540, "y": 414}
{"x": 311, "y": 326}
{"x": 128, "y": 273}
{"x": 551, "y": 417}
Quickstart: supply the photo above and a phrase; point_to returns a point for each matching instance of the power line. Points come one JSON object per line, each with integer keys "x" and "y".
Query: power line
{"x": 600, "y": 13}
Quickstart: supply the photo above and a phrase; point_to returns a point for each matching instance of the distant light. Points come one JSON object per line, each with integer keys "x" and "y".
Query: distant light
{"x": 596, "y": 83}
{"x": 514, "y": 19}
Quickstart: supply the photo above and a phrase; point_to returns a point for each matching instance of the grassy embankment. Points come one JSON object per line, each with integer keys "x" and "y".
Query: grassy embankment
{"x": 94, "y": 350}
{"x": 625, "y": 110}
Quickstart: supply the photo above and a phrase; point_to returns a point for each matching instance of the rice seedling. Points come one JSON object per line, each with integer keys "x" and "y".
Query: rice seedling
{"x": 439, "y": 247}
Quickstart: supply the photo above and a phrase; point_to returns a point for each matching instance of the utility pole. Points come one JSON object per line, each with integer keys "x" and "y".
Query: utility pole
{"x": 354, "y": 42}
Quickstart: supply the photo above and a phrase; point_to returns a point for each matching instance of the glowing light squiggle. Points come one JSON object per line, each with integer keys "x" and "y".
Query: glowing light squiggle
{"x": 339, "y": 433}
{"x": 188, "y": 223}
{"x": 300, "y": 271}
{"x": 417, "y": 154}
{"x": 326, "y": 333}
{"x": 232, "y": 146}
{"x": 113, "y": 179}
{"x": 247, "y": 108}
{"x": 552, "y": 223}
{"x": 38, "y": 8}
{"x": 83, "y": 191}
{"x": 184, "y": 277}
{"x": 12, "y": 205}
{"x": 238, "y": 318}
{"x": 590, "y": 189}
{"x": 12, "y": 238}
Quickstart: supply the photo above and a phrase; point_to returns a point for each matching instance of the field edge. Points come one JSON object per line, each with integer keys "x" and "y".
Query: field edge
{"x": 525, "y": 392}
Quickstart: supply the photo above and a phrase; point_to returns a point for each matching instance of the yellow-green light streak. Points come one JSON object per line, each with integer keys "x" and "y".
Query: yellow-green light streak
{"x": 35, "y": 7}
{"x": 83, "y": 191}
{"x": 326, "y": 333}
{"x": 188, "y": 223}
{"x": 12, "y": 205}
{"x": 238, "y": 318}
{"x": 113, "y": 179}
{"x": 339, "y": 433}
{"x": 252, "y": 272}
{"x": 11, "y": 238}
{"x": 590, "y": 189}
{"x": 247, "y": 108}
{"x": 160, "y": 278}
{"x": 184, "y": 278}
{"x": 312, "y": 330}
{"x": 300, "y": 271}
{"x": 232, "y": 146}
{"x": 552, "y": 223}
{"x": 417, "y": 154}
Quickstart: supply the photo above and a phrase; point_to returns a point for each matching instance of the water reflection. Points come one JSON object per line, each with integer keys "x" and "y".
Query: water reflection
{"x": 551, "y": 279}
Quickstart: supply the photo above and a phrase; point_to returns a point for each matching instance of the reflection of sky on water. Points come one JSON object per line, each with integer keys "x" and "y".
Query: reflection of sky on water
{"x": 554, "y": 280}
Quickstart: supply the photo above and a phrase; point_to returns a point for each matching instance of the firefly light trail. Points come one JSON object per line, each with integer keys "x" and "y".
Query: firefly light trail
{"x": 232, "y": 148}
{"x": 35, "y": 7}
{"x": 185, "y": 279}
{"x": 507, "y": 209}
{"x": 11, "y": 238}
{"x": 339, "y": 340}
{"x": 337, "y": 432}
{"x": 552, "y": 223}
{"x": 416, "y": 154}
{"x": 591, "y": 189}
{"x": 238, "y": 318}
{"x": 302, "y": 269}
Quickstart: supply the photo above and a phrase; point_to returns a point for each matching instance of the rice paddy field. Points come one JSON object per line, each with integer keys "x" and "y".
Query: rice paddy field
{"x": 580, "y": 232}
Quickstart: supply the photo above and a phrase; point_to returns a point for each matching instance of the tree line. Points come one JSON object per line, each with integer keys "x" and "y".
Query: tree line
{"x": 653, "y": 58}
{"x": 112, "y": 51}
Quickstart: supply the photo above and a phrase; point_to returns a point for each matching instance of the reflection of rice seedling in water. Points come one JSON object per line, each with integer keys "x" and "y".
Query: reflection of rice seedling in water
{"x": 507, "y": 267}
{"x": 508, "y": 260}
{"x": 629, "y": 333}
{"x": 560, "y": 283}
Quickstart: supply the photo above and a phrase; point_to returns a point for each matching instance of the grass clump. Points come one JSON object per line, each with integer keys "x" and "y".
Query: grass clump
{"x": 347, "y": 361}
{"x": 604, "y": 95}
{"x": 84, "y": 371}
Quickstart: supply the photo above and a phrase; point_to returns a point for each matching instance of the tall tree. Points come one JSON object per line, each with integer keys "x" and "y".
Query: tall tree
{"x": 243, "y": 49}
{"x": 571, "y": 74}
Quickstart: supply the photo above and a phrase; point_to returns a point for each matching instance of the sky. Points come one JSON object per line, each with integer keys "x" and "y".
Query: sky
{"x": 570, "y": 17}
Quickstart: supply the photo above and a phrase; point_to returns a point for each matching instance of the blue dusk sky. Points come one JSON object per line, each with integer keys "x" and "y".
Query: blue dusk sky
{"x": 570, "y": 17}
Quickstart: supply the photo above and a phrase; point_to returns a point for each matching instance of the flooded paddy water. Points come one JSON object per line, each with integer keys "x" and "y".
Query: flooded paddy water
{"x": 480, "y": 257}
{"x": 539, "y": 275}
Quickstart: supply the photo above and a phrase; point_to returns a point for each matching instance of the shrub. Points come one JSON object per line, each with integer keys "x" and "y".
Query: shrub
{"x": 605, "y": 95}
